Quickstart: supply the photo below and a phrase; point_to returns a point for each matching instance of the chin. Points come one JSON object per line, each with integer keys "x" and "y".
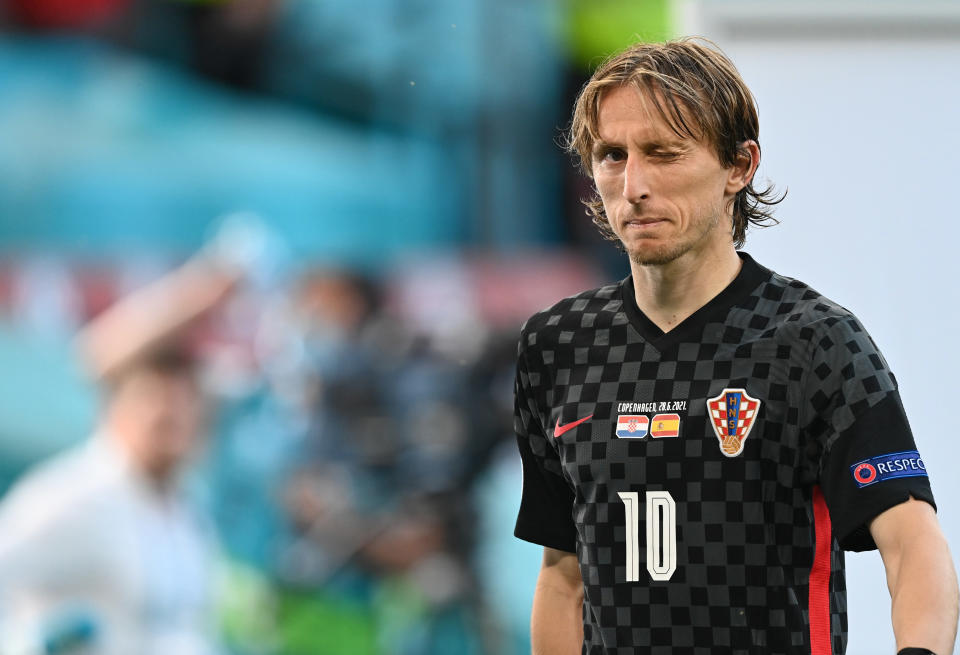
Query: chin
{"x": 656, "y": 254}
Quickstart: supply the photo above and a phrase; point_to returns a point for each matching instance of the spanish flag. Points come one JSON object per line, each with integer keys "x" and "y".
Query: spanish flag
{"x": 665, "y": 425}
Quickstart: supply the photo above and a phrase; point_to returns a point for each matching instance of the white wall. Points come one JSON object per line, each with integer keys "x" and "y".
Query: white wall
{"x": 859, "y": 113}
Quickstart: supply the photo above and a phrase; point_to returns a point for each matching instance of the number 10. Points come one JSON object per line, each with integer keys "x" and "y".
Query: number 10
{"x": 661, "y": 534}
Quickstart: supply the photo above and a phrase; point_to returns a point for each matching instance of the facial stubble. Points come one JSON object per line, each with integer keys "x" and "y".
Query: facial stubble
{"x": 665, "y": 253}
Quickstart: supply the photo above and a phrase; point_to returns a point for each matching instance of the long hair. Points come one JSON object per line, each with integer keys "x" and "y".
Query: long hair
{"x": 698, "y": 92}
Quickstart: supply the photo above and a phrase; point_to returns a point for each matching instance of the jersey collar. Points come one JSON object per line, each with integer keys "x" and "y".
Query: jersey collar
{"x": 751, "y": 275}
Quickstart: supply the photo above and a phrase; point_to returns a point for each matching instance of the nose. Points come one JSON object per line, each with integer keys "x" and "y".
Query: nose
{"x": 636, "y": 181}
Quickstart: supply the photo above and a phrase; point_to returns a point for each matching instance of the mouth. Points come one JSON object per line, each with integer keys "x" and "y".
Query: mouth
{"x": 643, "y": 224}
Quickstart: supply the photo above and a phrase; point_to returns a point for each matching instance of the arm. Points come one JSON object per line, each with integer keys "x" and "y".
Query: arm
{"x": 151, "y": 315}
{"x": 920, "y": 576}
{"x": 556, "y": 625}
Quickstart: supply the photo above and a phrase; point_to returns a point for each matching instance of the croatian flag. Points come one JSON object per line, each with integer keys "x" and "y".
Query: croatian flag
{"x": 630, "y": 426}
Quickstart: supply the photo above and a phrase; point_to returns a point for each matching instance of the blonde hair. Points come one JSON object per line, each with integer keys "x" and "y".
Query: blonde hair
{"x": 698, "y": 92}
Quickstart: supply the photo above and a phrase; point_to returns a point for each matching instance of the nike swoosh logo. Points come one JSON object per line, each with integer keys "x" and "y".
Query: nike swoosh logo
{"x": 560, "y": 429}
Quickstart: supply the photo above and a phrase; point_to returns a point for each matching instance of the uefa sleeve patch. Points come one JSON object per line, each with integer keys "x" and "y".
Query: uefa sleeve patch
{"x": 906, "y": 464}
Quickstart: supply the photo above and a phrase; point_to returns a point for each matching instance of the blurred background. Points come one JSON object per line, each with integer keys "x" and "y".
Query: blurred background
{"x": 387, "y": 175}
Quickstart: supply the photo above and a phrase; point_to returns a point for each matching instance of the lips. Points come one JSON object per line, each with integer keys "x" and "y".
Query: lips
{"x": 641, "y": 223}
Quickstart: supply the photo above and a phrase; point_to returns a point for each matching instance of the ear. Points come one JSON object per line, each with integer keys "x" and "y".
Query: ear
{"x": 741, "y": 173}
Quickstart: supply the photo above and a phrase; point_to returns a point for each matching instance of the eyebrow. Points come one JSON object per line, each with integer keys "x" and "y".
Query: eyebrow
{"x": 601, "y": 144}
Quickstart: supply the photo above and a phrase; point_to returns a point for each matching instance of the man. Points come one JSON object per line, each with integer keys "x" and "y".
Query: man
{"x": 701, "y": 441}
{"x": 98, "y": 550}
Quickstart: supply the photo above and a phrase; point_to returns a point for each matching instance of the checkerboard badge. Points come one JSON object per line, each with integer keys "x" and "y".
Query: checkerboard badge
{"x": 732, "y": 413}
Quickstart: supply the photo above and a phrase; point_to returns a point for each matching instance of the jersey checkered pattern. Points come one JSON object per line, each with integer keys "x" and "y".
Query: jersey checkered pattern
{"x": 739, "y": 525}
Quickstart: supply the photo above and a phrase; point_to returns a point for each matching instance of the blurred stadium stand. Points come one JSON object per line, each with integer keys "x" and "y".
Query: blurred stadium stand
{"x": 373, "y": 123}
{"x": 361, "y": 470}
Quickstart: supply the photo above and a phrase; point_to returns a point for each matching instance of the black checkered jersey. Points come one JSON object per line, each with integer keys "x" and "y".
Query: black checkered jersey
{"x": 709, "y": 478}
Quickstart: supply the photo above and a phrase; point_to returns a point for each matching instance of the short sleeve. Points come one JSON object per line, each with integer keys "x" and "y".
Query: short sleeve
{"x": 546, "y": 505}
{"x": 858, "y": 432}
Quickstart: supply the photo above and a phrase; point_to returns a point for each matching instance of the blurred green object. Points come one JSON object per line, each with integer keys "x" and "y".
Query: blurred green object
{"x": 247, "y": 608}
{"x": 408, "y": 624}
{"x": 260, "y": 617}
{"x": 313, "y": 624}
{"x": 401, "y": 610}
{"x": 597, "y": 28}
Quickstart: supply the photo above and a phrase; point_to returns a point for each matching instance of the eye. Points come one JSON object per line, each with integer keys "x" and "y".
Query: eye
{"x": 611, "y": 155}
{"x": 664, "y": 155}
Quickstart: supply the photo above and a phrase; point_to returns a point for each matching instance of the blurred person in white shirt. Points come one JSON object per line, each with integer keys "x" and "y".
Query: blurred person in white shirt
{"x": 99, "y": 552}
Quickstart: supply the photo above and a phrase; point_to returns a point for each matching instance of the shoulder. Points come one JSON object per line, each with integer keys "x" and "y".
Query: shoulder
{"x": 586, "y": 310}
{"x": 49, "y": 474}
{"x": 803, "y": 313}
{"x": 55, "y": 487}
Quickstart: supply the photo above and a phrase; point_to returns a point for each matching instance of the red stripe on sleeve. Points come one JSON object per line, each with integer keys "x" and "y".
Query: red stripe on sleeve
{"x": 819, "y": 601}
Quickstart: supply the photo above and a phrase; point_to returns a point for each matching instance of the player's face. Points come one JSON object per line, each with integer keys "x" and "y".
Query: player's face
{"x": 161, "y": 416}
{"x": 665, "y": 196}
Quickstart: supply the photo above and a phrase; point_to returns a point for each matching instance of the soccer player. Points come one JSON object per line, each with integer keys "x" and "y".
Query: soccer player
{"x": 703, "y": 440}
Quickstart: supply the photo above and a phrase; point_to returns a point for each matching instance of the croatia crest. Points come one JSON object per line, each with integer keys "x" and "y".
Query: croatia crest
{"x": 732, "y": 414}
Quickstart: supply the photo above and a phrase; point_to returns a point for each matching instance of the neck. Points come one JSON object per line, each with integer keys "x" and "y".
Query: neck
{"x": 668, "y": 293}
{"x": 158, "y": 478}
